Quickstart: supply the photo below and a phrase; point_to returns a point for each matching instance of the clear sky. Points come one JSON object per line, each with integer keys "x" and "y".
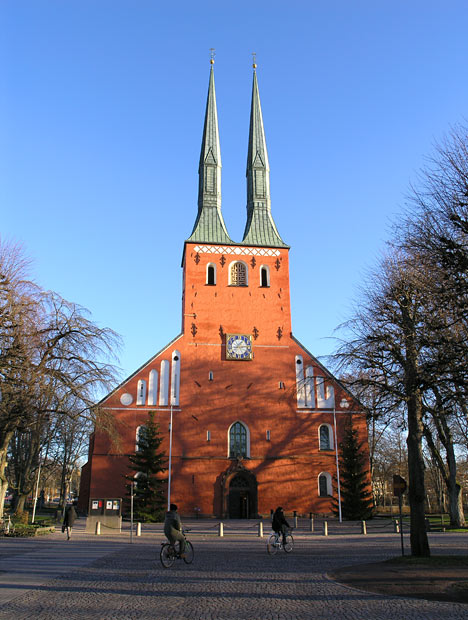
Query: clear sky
{"x": 101, "y": 118}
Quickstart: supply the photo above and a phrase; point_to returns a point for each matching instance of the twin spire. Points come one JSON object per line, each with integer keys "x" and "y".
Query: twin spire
{"x": 260, "y": 229}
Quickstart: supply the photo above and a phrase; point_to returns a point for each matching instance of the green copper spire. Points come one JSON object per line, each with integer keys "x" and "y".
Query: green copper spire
{"x": 260, "y": 228}
{"x": 209, "y": 226}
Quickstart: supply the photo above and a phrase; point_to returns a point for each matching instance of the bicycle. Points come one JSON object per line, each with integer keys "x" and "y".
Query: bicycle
{"x": 275, "y": 543}
{"x": 169, "y": 553}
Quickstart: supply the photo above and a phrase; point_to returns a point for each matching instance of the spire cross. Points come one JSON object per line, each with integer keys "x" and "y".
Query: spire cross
{"x": 254, "y": 59}
{"x": 212, "y": 55}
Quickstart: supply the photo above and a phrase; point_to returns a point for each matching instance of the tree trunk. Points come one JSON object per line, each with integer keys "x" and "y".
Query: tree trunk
{"x": 5, "y": 439}
{"x": 417, "y": 492}
{"x": 20, "y": 502}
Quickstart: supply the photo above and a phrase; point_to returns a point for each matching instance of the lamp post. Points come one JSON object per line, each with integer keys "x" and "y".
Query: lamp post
{"x": 170, "y": 463}
{"x": 173, "y": 398}
{"x": 37, "y": 489}
{"x": 344, "y": 404}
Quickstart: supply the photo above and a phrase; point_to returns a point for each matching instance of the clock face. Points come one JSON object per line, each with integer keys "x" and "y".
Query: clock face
{"x": 238, "y": 347}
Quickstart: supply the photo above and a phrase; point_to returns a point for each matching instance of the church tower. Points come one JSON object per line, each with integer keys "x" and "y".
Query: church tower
{"x": 256, "y": 418}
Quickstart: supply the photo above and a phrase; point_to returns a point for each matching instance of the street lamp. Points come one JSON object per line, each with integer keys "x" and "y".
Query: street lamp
{"x": 343, "y": 404}
{"x": 173, "y": 398}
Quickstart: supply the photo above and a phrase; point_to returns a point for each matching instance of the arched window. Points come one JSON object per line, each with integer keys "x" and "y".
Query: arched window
{"x": 264, "y": 276}
{"x": 238, "y": 441}
{"x": 325, "y": 484}
{"x": 238, "y": 274}
{"x": 211, "y": 274}
{"x": 139, "y": 435}
{"x": 325, "y": 437}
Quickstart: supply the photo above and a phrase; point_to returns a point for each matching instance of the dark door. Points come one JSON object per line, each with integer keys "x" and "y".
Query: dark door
{"x": 240, "y": 498}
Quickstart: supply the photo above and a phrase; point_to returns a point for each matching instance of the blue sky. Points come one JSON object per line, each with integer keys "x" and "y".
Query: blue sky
{"x": 101, "y": 108}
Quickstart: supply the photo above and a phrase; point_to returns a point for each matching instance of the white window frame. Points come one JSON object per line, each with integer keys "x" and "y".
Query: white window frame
{"x": 267, "y": 269}
{"x": 329, "y": 484}
{"x": 214, "y": 268}
{"x": 330, "y": 435}
{"x": 241, "y": 262}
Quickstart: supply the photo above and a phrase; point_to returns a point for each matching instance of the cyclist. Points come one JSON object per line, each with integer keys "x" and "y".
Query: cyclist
{"x": 279, "y": 523}
{"x": 173, "y": 529}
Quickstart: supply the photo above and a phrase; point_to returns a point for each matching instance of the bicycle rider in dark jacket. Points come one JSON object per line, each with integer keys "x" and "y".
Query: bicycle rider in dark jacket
{"x": 279, "y": 523}
{"x": 173, "y": 529}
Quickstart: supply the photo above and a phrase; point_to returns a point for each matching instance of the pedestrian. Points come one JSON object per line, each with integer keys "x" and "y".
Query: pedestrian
{"x": 279, "y": 523}
{"x": 173, "y": 529}
{"x": 69, "y": 520}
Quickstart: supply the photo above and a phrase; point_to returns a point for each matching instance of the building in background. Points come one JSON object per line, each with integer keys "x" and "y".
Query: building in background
{"x": 256, "y": 417}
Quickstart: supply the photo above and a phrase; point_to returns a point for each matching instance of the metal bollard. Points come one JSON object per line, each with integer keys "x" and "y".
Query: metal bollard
{"x": 325, "y": 528}
{"x": 138, "y": 531}
{"x": 311, "y": 524}
{"x": 260, "y": 529}
{"x": 221, "y": 530}
{"x": 363, "y": 528}
{"x": 98, "y": 528}
{"x": 396, "y": 526}
{"x": 295, "y": 522}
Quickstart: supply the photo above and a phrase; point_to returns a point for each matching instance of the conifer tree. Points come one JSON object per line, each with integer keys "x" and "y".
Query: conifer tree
{"x": 356, "y": 498}
{"x": 148, "y": 462}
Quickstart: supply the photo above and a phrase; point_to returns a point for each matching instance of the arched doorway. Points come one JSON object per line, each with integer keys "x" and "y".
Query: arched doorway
{"x": 242, "y": 499}
{"x": 239, "y": 499}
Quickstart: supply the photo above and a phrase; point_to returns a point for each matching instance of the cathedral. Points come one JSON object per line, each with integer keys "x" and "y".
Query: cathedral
{"x": 256, "y": 418}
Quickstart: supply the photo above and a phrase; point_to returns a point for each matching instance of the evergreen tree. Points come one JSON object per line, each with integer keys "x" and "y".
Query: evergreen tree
{"x": 148, "y": 463}
{"x": 356, "y": 498}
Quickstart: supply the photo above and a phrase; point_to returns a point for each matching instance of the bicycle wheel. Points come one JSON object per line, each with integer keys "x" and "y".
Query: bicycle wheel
{"x": 289, "y": 544}
{"x": 272, "y": 545}
{"x": 167, "y": 555}
{"x": 189, "y": 553}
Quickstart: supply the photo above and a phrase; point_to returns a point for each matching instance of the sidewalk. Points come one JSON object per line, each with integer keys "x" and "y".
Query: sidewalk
{"x": 26, "y": 563}
{"x": 232, "y": 578}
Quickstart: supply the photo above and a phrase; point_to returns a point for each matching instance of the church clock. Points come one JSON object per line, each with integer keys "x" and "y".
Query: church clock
{"x": 238, "y": 347}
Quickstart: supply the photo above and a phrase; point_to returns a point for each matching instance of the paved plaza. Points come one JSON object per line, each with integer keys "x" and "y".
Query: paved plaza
{"x": 107, "y": 577}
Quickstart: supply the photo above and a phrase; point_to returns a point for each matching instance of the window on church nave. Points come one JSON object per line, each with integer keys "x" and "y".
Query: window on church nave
{"x": 325, "y": 437}
{"x": 324, "y": 484}
{"x": 264, "y": 276}
{"x": 238, "y": 441}
{"x": 238, "y": 274}
{"x": 211, "y": 274}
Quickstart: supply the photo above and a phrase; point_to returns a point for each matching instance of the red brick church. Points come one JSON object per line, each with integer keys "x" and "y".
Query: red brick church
{"x": 256, "y": 417}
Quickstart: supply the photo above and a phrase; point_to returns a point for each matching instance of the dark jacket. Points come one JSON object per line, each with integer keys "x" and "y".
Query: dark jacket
{"x": 278, "y": 521}
{"x": 172, "y": 524}
{"x": 70, "y": 516}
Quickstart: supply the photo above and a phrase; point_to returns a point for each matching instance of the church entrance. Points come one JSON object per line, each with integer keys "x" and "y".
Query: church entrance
{"x": 242, "y": 497}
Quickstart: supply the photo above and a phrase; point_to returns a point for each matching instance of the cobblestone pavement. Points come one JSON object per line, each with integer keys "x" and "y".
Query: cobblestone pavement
{"x": 230, "y": 578}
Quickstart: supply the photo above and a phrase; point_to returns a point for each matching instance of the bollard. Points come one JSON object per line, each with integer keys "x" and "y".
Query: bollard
{"x": 138, "y": 532}
{"x": 98, "y": 528}
{"x": 311, "y": 524}
{"x": 221, "y": 530}
{"x": 295, "y": 522}
{"x": 325, "y": 528}
{"x": 260, "y": 529}
{"x": 396, "y": 526}
{"x": 363, "y": 528}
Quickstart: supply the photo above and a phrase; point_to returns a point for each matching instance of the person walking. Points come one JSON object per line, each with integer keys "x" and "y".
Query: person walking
{"x": 173, "y": 529}
{"x": 68, "y": 520}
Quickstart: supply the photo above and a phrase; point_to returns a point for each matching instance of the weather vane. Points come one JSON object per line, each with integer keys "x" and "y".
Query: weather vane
{"x": 212, "y": 55}
{"x": 254, "y": 58}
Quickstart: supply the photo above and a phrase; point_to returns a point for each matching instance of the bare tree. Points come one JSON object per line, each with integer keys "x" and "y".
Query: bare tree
{"x": 47, "y": 344}
{"x": 385, "y": 351}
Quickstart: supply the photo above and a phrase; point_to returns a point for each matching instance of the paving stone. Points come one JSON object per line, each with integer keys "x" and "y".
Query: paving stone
{"x": 231, "y": 578}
